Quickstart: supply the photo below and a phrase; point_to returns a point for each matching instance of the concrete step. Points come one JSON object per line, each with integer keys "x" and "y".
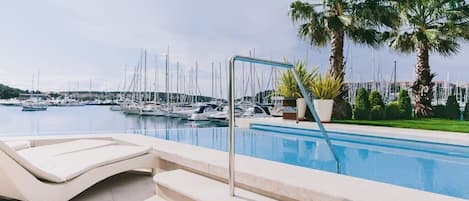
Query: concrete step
{"x": 181, "y": 185}
{"x": 156, "y": 198}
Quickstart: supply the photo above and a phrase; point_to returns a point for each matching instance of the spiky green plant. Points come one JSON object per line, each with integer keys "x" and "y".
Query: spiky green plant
{"x": 289, "y": 87}
{"x": 326, "y": 87}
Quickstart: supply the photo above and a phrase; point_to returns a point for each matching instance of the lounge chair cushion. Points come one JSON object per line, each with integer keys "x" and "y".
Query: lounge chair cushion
{"x": 62, "y": 148}
{"x": 18, "y": 144}
{"x": 66, "y": 166}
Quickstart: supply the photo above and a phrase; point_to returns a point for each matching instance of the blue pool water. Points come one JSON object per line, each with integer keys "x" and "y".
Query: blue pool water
{"x": 438, "y": 168}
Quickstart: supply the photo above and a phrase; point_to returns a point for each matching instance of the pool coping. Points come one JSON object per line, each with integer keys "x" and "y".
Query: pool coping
{"x": 273, "y": 179}
{"x": 377, "y": 131}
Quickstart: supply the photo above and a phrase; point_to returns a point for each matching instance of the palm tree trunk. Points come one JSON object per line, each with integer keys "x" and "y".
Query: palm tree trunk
{"x": 336, "y": 58}
{"x": 422, "y": 88}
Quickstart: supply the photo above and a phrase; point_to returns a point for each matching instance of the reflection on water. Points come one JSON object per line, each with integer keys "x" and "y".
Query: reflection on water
{"x": 87, "y": 119}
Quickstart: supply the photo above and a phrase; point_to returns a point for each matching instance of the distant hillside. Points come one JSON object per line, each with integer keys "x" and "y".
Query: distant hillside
{"x": 8, "y": 92}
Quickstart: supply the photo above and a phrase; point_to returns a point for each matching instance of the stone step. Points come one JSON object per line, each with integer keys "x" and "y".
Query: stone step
{"x": 156, "y": 198}
{"x": 181, "y": 185}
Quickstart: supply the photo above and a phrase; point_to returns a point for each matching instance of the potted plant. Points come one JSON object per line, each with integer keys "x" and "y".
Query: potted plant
{"x": 325, "y": 89}
{"x": 289, "y": 89}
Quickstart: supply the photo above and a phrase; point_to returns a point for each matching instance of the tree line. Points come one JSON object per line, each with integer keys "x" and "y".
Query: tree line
{"x": 7, "y": 92}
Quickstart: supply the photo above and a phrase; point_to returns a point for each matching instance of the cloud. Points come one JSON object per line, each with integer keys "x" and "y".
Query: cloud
{"x": 80, "y": 40}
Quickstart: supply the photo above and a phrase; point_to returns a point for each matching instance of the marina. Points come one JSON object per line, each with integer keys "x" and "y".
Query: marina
{"x": 234, "y": 100}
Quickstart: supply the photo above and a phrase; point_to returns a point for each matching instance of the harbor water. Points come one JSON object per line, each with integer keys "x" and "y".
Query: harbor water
{"x": 85, "y": 119}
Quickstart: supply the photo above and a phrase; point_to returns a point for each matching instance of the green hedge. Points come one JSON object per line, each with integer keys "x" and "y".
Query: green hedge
{"x": 405, "y": 105}
{"x": 439, "y": 111}
{"x": 377, "y": 113}
{"x": 452, "y": 108}
{"x": 466, "y": 112}
{"x": 342, "y": 110}
{"x": 361, "y": 111}
{"x": 377, "y": 106}
{"x": 392, "y": 111}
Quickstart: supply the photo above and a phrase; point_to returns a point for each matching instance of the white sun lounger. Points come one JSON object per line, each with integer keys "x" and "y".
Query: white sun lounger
{"x": 58, "y": 172}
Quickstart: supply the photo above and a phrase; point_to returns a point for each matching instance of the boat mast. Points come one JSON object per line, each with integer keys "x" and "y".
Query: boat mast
{"x": 197, "y": 91}
{"x": 220, "y": 80}
{"x": 184, "y": 86}
{"x": 32, "y": 86}
{"x": 38, "y": 73}
{"x": 252, "y": 78}
{"x": 124, "y": 93}
{"x": 212, "y": 81}
{"x": 167, "y": 80}
{"x": 178, "y": 99}
{"x": 145, "y": 77}
{"x": 243, "y": 92}
{"x": 155, "y": 94}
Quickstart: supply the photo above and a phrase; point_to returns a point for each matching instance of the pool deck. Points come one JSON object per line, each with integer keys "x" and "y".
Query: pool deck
{"x": 259, "y": 175}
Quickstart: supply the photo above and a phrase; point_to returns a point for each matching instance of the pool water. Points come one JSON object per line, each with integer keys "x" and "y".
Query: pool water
{"x": 433, "y": 167}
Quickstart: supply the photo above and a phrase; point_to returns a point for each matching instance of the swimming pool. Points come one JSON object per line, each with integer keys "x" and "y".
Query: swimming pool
{"x": 433, "y": 167}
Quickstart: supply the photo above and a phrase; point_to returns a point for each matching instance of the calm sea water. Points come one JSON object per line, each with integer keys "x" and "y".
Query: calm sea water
{"x": 86, "y": 119}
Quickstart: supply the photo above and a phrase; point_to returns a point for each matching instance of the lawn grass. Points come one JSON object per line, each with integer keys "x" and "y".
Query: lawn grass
{"x": 425, "y": 124}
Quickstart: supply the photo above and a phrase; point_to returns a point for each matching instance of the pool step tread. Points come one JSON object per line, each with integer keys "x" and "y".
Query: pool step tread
{"x": 156, "y": 198}
{"x": 200, "y": 188}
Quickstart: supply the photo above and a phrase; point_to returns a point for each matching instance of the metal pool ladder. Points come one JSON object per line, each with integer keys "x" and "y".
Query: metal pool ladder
{"x": 231, "y": 103}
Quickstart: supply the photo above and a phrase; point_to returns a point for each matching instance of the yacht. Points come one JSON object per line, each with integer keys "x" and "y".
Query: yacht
{"x": 152, "y": 110}
{"x": 11, "y": 102}
{"x": 180, "y": 111}
{"x": 132, "y": 108}
{"x": 184, "y": 113}
{"x": 223, "y": 116}
{"x": 277, "y": 108}
{"x": 203, "y": 112}
{"x": 70, "y": 102}
{"x": 257, "y": 111}
{"x": 34, "y": 104}
{"x": 115, "y": 108}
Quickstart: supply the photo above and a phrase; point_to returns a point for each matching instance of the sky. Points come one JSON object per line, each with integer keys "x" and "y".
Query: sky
{"x": 78, "y": 44}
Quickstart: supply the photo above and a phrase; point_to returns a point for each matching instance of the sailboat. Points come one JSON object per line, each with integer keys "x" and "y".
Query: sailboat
{"x": 34, "y": 103}
{"x": 135, "y": 105}
{"x": 153, "y": 108}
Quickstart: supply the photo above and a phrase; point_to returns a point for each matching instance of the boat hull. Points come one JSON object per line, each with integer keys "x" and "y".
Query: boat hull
{"x": 32, "y": 109}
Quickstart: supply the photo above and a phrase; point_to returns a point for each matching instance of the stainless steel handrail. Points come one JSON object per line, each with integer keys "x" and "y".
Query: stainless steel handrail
{"x": 231, "y": 104}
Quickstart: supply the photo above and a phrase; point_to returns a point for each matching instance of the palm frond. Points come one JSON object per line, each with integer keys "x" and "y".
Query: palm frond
{"x": 312, "y": 27}
{"x": 366, "y": 36}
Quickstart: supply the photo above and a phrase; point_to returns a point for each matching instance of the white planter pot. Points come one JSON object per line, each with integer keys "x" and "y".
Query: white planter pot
{"x": 324, "y": 109}
{"x": 300, "y": 108}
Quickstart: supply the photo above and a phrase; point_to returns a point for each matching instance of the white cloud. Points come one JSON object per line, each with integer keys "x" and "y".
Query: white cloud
{"x": 78, "y": 40}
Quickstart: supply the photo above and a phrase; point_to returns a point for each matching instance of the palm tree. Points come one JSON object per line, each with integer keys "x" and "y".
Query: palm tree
{"x": 330, "y": 21}
{"x": 429, "y": 26}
